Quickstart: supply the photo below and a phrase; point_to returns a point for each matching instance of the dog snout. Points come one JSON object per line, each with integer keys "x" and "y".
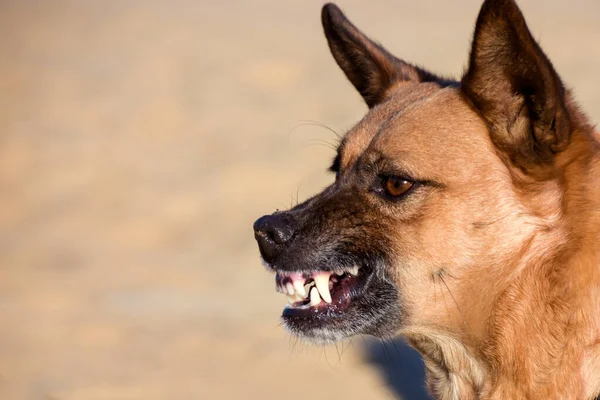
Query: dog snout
{"x": 272, "y": 232}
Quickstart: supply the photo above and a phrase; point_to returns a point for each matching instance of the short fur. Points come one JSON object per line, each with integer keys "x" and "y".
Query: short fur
{"x": 490, "y": 267}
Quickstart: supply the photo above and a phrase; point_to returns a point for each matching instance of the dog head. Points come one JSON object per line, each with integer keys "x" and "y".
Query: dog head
{"x": 442, "y": 191}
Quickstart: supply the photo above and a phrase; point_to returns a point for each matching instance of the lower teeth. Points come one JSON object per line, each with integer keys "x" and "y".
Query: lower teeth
{"x": 294, "y": 299}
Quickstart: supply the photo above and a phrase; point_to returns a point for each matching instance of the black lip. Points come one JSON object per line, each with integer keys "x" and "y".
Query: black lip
{"x": 374, "y": 308}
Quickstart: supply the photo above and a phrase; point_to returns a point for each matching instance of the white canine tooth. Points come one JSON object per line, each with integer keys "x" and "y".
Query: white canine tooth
{"x": 315, "y": 299}
{"x": 322, "y": 283}
{"x": 290, "y": 289}
{"x": 353, "y": 271}
{"x": 292, "y": 299}
{"x": 299, "y": 287}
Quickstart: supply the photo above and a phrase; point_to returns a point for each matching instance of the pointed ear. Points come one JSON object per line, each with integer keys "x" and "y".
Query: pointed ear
{"x": 515, "y": 88}
{"x": 370, "y": 68}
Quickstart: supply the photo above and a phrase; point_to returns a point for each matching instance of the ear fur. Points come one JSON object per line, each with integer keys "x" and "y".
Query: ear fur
{"x": 370, "y": 67}
{"x": 513, "y": 85}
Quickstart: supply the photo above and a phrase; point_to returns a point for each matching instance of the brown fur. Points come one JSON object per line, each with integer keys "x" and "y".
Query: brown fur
{"x": 521, "y": 320}
{"x": 496, "y": 259}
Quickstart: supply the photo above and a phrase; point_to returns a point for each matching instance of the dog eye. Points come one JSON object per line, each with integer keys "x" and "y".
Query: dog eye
{"x": 395, "y": 186}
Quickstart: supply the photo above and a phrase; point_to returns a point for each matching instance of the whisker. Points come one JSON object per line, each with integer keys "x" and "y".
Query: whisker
{"x": 399, "y": 356}
{"x": 308, "y": 122}
{"x": 339, "y": 354}
{"x": 326, "y": 359}
{"x": 429, "y": 291}
{"x": 346, "y": 348}
{"x": 434, "y": 289}
{"x": 397, "y": 349}
{"x": 292, "y": 345}
{"x": 441, "y": 276}
{"x": 364, "y": 341}
{"x": 320, "y": 142}
{"x": 388, "y": 355}
{"x": 446, "y": 273}
{"x": 438, "y": 274}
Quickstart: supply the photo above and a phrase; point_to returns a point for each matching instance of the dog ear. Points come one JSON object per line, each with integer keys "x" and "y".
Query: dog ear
{"x": 370, "y": 68}
{"x": 515, "y": 88}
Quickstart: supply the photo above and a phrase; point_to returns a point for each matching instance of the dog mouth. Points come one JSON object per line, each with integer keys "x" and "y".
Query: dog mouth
{"x": 326, "y": 306}
{"x": 320, "y": 294}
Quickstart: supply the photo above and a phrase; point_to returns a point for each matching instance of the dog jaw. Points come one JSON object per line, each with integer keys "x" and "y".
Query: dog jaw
{"x": 489, "y": 265}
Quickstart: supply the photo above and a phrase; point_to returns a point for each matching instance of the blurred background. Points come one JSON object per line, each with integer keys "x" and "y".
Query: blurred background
{"x": 139, "y": 140}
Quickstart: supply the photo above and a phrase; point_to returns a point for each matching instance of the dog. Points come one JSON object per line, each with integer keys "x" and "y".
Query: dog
{"x": 464, "y": 216}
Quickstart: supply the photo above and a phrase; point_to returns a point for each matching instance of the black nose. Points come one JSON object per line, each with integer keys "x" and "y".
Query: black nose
{"x": 272, "y": 232}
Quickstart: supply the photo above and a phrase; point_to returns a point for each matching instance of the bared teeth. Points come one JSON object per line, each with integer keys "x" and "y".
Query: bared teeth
{"x": 293, "y": 285}
{"x": 293, "y": 299}
{"x": 322, "y": 283}
{"x": 290, "y": 289}
{"x": 315, "y": 299}
{"x": 299, "y": 287}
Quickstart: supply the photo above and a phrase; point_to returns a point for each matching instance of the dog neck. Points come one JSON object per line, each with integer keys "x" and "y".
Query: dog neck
{"x": 539, "y": 336}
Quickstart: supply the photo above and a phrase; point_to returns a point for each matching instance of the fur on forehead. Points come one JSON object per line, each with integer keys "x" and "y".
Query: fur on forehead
{"x": 360, "y": 136}
{"x": 398, "y": 128}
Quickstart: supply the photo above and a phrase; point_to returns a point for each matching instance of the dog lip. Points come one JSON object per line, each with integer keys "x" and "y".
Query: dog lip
{"x": 320, "y": 293}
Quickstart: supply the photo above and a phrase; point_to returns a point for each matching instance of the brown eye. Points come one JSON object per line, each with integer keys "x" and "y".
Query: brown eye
{"x": 395, "y": 186}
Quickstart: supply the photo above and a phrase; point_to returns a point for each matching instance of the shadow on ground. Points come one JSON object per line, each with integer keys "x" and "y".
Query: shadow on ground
{"x": 401, "y": 367}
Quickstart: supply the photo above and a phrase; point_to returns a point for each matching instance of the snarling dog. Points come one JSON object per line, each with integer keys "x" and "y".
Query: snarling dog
{"x": 465, "y": 216}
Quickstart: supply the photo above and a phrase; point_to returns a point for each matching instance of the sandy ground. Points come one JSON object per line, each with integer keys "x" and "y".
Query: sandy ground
{"x": 139, "y": 140}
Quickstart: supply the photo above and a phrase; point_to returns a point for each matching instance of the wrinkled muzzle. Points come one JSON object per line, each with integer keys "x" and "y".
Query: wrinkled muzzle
{"x": 332, "y": 260}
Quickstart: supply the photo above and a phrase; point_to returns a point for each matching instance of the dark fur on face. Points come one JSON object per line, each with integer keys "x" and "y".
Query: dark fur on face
{"x": 338, "y": 229}
{"x": 465, "y": 215}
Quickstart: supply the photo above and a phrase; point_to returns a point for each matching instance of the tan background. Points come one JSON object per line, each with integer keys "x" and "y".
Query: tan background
{"x": 139, "y": 140}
